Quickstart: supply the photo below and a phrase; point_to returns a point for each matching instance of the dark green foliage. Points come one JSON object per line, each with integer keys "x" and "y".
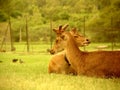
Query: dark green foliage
{"x": 15, "y": 14}
{"x": 117, "y": 4}
{"x": 64, "y": 16}
{"x": 97, "y": 13}
{"x": 3, "y": 16}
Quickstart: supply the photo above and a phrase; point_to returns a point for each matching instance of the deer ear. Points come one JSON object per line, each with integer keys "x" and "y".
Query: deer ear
{"x": 65, "y": 26}
{"x": 73, "y": 30}
{"x": 55, "y": 30}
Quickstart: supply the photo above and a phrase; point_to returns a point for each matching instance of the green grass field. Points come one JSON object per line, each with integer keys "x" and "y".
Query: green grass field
{"x": 33, "y": 75}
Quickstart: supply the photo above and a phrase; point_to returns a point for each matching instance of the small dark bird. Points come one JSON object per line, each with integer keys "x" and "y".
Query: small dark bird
{"x": 14, "y": 60}
{"x": 3, "y": 50}
{"x": 21, "y": 61}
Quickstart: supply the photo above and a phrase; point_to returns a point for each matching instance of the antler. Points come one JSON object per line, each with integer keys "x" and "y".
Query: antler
{"x": 60, "y": 30}
{"x": 65, "y": 26}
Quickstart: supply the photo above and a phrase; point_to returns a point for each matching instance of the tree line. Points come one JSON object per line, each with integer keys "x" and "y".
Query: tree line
{"x": 41, "y": 13}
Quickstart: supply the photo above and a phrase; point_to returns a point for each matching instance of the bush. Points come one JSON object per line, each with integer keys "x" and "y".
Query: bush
{"x": 3, "y": 16}
{"x": 15, "y": 14}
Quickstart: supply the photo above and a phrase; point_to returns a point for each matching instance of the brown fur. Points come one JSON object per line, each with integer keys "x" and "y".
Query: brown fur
{"x": 57, "y": 63}
{"x": 97, "y": 63}
{"x": 56, "y": 48}
{"x": 81, "y": 40}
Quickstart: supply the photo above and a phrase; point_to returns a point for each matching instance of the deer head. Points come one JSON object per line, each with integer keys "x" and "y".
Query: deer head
{"x": 60, "y": 30}
{"x": 80, "y": 39}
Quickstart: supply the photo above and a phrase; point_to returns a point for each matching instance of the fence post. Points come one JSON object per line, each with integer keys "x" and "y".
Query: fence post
{"x": 20, "y": 35}
{"x": 112, "y": 41}
{"x": 11, "y": 35}
{"x": 84, "y": 32}
{"x": 50, "y": 33}
{"x": 27, "y": 36}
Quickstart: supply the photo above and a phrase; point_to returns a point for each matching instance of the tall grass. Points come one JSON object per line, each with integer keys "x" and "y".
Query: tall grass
{"x": 33, "y": 75}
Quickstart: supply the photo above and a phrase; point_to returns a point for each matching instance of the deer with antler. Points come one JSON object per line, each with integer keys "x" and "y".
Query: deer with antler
{"x": 59, "y": 63}
{"x": 96, "y": 63}
{"x": 56, "y": 48}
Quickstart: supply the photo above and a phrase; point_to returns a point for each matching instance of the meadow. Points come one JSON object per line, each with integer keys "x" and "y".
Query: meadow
{"x": 32, "y": 74}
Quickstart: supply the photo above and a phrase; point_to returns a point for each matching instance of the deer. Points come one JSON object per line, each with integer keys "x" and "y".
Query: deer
{"x": 103, "y": 64}
{"x": 58, "y": 62}
{"x": 56, "y": 48}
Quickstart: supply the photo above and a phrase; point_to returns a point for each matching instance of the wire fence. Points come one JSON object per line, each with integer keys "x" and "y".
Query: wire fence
{"x": 103, "y": 34}
{"x": 97, "y": 34}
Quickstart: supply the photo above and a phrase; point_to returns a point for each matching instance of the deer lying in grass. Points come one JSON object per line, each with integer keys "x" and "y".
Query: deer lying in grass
{"x": 59, "y": 63}
{"x": 97, "y": 63}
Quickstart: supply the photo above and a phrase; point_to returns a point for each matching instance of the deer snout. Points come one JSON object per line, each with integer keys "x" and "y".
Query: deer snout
{"x": 52, "y": 51}
{"x": 88, "y": 40}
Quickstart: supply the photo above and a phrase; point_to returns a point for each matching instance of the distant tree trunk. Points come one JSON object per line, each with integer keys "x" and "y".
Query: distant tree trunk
{"x": 11, "y": 36}
{"x": 112, "y": 42}
{"x": 27, "y": 36}
{"x": 4, "y": 38}
{"x": 84, "y": 31}
{"x": 20, "y": 35}
{"x": 50, "y": 33}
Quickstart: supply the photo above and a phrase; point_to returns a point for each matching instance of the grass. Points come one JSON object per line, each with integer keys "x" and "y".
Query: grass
{"x": 33, "y": 75}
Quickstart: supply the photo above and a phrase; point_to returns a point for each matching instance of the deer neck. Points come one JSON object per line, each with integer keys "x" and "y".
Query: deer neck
{"x": 73, "y": 52}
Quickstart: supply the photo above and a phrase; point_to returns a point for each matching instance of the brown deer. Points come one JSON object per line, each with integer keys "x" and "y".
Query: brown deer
{"x": 58, "y": 62}
{"x": 79, "y": 38}
{"x": 96, "y": 63}
{"x": 56, "y": 48}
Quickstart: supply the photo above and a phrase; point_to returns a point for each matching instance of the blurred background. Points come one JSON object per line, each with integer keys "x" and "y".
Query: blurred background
{"x": 27, "y": 24}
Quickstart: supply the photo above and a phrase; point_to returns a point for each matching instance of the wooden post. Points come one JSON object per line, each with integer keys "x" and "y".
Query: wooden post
{"x": 112, "y": 42}
{"x": 84, "y": 32}
{"x": 27, "y": 36}
{"x": 20, "y": 35}
{"x": 50, "y": 33}
{"x": 11, "y": 36}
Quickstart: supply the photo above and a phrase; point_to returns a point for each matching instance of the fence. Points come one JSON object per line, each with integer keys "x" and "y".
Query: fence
{"x": 100, "y": 34}
{"x": 97, "y": 34}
